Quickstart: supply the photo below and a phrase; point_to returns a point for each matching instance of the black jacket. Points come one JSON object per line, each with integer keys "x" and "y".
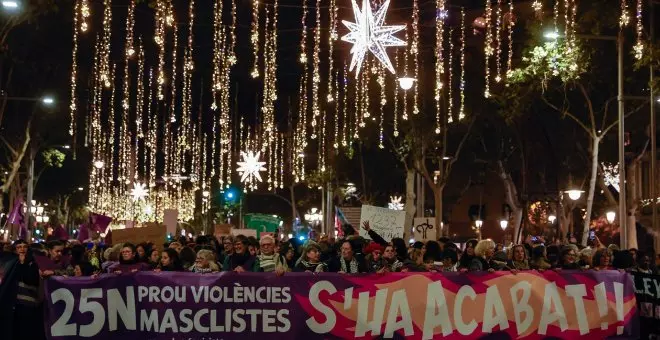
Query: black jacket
{"x": 334, "y": 265}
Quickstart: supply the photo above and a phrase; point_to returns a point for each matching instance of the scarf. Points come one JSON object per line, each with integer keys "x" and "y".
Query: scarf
{"x": 352, "y": 268}
{"x": 312, "y": 267}
{"x": 268, "y": 262}
{"x": 199, "y": 270}
{"x": 520, "y": 265}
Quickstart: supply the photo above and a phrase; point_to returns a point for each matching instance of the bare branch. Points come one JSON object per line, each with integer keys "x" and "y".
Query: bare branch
{"x": 607, "y": 129}
{"x": 590, "y": 106}
{"x": 570, "y": 115}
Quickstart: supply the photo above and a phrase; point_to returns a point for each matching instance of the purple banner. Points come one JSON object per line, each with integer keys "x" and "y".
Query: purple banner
{"x": 533, "y": 305}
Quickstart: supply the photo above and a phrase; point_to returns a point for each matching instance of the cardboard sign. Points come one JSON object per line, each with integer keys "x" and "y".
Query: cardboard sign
{"x": 261, "y": 235}
{"x": 170, "y": 218}
{"x": 424, "y": 229}
{"x": 385, "y": 222}
{"x": 155, "y": 234}
{"x": 244, "y": 232}
{"x": 220, "y": 230}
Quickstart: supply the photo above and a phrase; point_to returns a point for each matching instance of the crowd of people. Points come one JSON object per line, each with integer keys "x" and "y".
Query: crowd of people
{"x": 21, "y": 292}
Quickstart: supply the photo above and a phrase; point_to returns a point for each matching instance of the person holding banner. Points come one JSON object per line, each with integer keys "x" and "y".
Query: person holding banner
{"x": 643, "y": 263}
{"x": 169, "y": 261}
{"x": 518, "y": 259}
{"x": 602, "y": 259}
{"x": 483, "y": 254}
{"x": 205, "y": 262}
{"x": 128, "y": 261}
{"x": 347, "y": 262}
{"x": 310, "y": 260}
{"x": 468, "y": 254}
{"x": 241, "y": 260}
{"x": 268, "y": 261}
{"x": 60, "y": 265}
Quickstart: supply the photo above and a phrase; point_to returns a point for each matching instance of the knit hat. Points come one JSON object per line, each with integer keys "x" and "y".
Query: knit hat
{"x": 373, "y": 246}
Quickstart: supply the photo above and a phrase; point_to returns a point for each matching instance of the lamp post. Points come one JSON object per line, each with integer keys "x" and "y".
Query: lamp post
{"x": 610, "y": 216}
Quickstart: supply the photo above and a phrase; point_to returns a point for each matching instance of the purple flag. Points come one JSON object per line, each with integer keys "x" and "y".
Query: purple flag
{"x": 100, "y": 222}
{"x": 16, "y": 215}
{"x": 83, "y": 233}
{"x": 59, "y": 233}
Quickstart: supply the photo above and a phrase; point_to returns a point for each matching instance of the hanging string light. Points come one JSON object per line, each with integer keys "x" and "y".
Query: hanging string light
{"x": 105, "y": 43}
{"x": 383, "y": 101}
{"x": 335, "y": 141}
{"x": 414, "y": 51}
{"x": 639, "y": 29}
{"x": 303, "y": 39}
{"x": 160, "y": 41}
{"x": 439, "y": 64}
{"x": 85, "y": 14}
{"x": 344, "y": 108}
{"x": 129, "y": 51}
{"x": 139, "y": 112}
{"x": 537, "y": 6}
{"x": 331, "y": 38}
{"x": 461, "y": 110}
{"x": 395, "y": 120}
{"x": 498, "y": 41}
{"x": 450, "y": 84}
{"x": 232, "y": 35}
{"x": 488, "y": 46}
{"x": 512, "y": 22}
{"x": 358, "y": 101}
{"x": 152, "y": 143}
{"x": 74, "y": 70}
{"x": 624, "y": 19}
{"x": 404, "y": 116}
{"x": 316, "y": 77}
{"x": 254, "y": 38}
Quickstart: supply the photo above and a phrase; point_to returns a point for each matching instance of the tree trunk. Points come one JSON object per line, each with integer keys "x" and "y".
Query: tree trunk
{"x": 632, "y": 202}
{"x": 437, "y": 202}
{"x": 592, "y": 189}
{"x": 294, "y": 214}
{"x": 409, "y": 205}
{"x": 511, "y": 198}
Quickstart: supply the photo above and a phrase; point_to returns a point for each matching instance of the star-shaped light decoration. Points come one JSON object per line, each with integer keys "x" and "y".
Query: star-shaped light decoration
{"x": 139, "y": 191}
{"x": 395, "y": 203}
{"x": 250, "y": 167}
{"x": 369, "y": 34}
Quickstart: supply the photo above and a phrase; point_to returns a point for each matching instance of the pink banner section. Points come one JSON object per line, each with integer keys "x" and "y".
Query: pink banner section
{"x": 530, "y": 305}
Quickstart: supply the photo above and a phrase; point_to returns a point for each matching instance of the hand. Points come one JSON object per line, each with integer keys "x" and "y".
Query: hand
{"x": 279, "y": 271}
{"x": 428, "y": 266}
{"x": 94, "y": 276}
{"x": 463, "y": 270}
{"x": 557, "y": 270}
{"x": 514, "y": 271}
{"x": 308, "y": 271}
{"x": 366, "y": 226}
{"x": 491, "y": 270}
{"x": 341, "y": 272}
{"x": 404, "y": 270}
{"x": 47, "y": 273}
{"x": 157, "y": 270}
{"x": 117, "y": 272}
{"x": 239, "y": 269}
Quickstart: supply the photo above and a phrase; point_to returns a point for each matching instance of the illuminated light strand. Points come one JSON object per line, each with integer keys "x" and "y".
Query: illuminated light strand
{"x": 498, "y": 42}
{"x": 331, "y": 38}
{"x": 638, "y": 48}
{"x": 84, "y": 13}
{"x": 461, "y": 110}
{"x": 358, "y": 100}
{"x": 254, "y": 38}
{"x": 129, "y": 51}
{"x": 450, "y": 83}
{"x": 624, "y": 19}
{"x": 395, "y": 120}
{"x": 488, "y": 48}
{"x": 512, "y": 23}
{"x": 335, "y": 143}
{"x": 173, "y": 161}
{"x": 537, "y": 6}
{"x": 344, "y": 107}
{"x": 153, "y": 132}
{"x": 139, "y": 111}
{"x": 113, "y": 140}
{"x": 414, "y": 51}
{"x": 216, "y": 87}
{"x": 188, "y": 67}
{"x": 265, "y": 101}
{"x": 281, "y": 160}
{"x": 232, "y": 35}
{"x": 383, "y": 101}
{"x": 404, "y": 116}
{"x": 555, "y": 17}
{"x": 160, "y": 41}
{"x": 439, "y": 64}
{"x": 316, "y": 76}
{"x": 74, "y": 70}
{"x": 106, "y": 39}
{"x": 303, "y": 39}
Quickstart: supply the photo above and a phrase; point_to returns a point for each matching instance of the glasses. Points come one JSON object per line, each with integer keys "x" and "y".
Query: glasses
{"x": 266, "y": 244}
{"x": 126, "y": 252}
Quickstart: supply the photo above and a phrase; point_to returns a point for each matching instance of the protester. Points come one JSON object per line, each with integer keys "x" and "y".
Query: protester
{"x": 568, "y": 259}
{"x": 268, "y": 260}
{"x": 241, "y": 260}
{"x": 83, "y": 269}
{"x": 468, "y": 254}
{"x": 310, "y": 261}
{"x": 374, "y": 258}
{"x": 415, "y": 261}
{"x": 643, "y": 263}
{"x": 169, "y": 261}
{"x": 228, "y": 248}
{"x": 483, "y": 253}
{"x": 62, "y": 267}
{"x": 539, "y": 259}
{"x": 205, "y": 262}
{"x": 602, "y": 259}
{"x": 128, "y": 261}
{"x": 143, "y": 252}
{"x": 176, "y": 246}
{"x": 289, "y": 253}
{"x": 154, "y": 258}
{"x": 518, "y": 260}
{"x": 432, "y": 252}
{"x": 623, "y": 260}
{"x": 187, "y": 257}
{"x": 392, "y": 263}
{"x": 347, "y": 262}
{"x": 449, "y": 260}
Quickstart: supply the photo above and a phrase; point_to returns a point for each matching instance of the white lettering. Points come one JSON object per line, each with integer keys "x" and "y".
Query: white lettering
{"x": 437, "y": 312}
{"x": 551, "y": 298}
{"x": 149, "y": 322}
{"x": 330, "y": 317}
{"x": 494, "y": 303}
{"x": 522, "y": 306}
{"x": 269, "y": 321}
{"x": 97, "y": 310}
{"x": 577, "y": 292}
{"x": 184, "y": 316}
{"x": 399, "y": 306}
{"x": 283, "y": 318}
{"x": 125, "y": 309}
{"x": 363, "y": 325}
{"x": 238, "y": 318}
{"x": 461, "y": 326}
{"x": 198, "y": 322}
{"x": 169, "y": 322}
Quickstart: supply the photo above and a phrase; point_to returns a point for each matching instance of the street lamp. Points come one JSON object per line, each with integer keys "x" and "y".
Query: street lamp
{"x": 406, "y": 83}
{"x": 610, "y": 215}
{"x": 504, "y": 224}
{"x": 552, "y": 219}
{"x": 551, "y": 35}
{"x": 10, "y": 5}
{"x": 48, "y": 101}
{"x": 574, "y": 194}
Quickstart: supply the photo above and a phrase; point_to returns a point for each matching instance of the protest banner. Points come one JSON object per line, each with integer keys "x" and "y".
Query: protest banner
{"x": 175, "y": 305}
{"x": 170, "y": 218}
{"x": 386, "y": 222}
{"x": 647, "y": 290}
{"x": 424, "y": 229}
{"x": 154, "y": 234}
